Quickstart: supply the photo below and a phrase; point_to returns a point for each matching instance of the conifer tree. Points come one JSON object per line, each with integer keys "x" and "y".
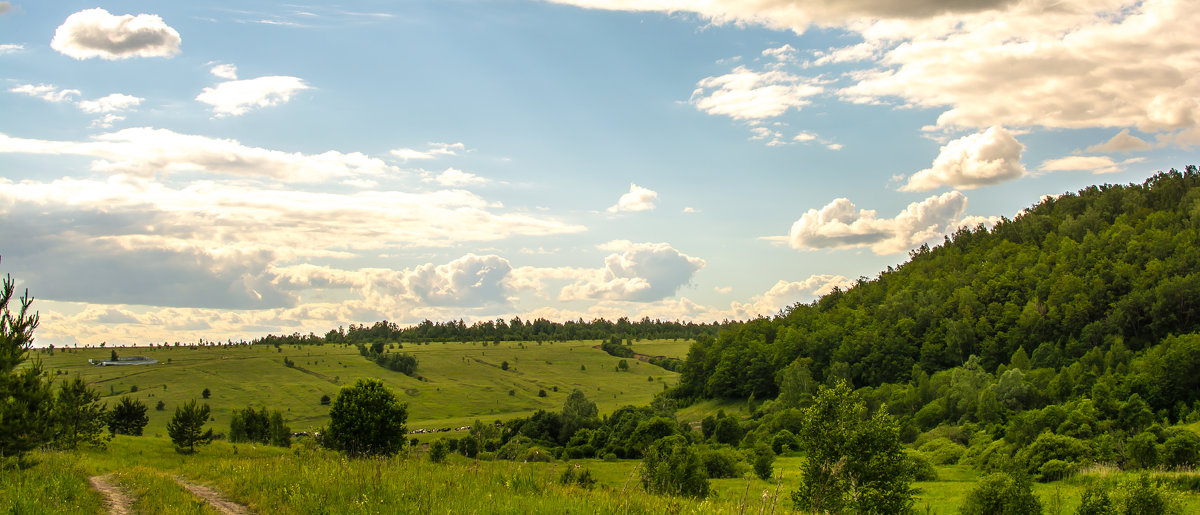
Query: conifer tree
{"x": 25, "y": 396}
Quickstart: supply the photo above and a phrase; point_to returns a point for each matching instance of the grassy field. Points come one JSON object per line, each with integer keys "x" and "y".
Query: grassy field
{"x": 460, "y": 382}
{"x": 306, "y": 479}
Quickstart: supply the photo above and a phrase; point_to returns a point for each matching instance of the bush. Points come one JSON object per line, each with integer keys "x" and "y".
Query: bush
{"x": 1182, "y": 449}
{"x": 1146, "y": 497}
{"x": 721, "y": 463}
{"x": 670, "y": 466}
{"x": 1094, "y": 500}
{"x": 438, "y": 451}
{"x": 206, "y": 393}
{"x": 367, "y": 420}
{"x": 1001, "y": 494}
{"x": 161, "y": 406}
{"x": 783, "y": 441}
{"x": 943, "y": 451}
{"x": 325, "y": 400}
{"x": 582, "y": 478}
{"x": 922, "y": 469}
{"x": 1055, "y": 470}
{"x": 1142, "y": 450}
{"x": 764, "y": 461}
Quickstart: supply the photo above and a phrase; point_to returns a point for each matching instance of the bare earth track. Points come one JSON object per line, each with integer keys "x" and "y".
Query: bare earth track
{"x": 116, "y": 498}
{"x": 214, "y": 499}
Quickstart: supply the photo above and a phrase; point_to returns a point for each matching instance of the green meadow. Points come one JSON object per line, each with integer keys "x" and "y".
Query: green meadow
{"x": 455, "y": 383}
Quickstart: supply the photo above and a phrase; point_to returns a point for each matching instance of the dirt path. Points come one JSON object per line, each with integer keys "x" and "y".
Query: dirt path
{"x": 214, "y": 498}
{"x": 119, "y": 501}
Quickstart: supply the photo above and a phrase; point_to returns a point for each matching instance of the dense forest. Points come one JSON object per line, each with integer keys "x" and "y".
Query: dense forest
{"x": 1110, "y": 267}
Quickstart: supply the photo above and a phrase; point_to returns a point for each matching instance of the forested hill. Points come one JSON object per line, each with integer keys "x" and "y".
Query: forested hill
{"x": 1107, "y": 265}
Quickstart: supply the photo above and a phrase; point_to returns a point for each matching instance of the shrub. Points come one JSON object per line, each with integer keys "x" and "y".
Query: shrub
{"x": 1094, "y": 500}
{"x": 670, "y": 466}
{"x": 582, "y": 478}
{"x": 325, "y": 400}
{"x": 1142, "y": 450}
{"x": 1001, "y": 494}
{"x": 764, "y": 461}
{"x": 922, "y": 469}
{"x": 161, "y": 406}
{"x": 206, "y": 393}
{"x": 367, "y": 419}
{"x": 1055, "y": 470}
{"x": 1182, "y": 449}
{"x": 438, "y": 451}
{"x": 721, "y": 463}
{"x": 78, "y": 416}
{"x": 943, "y": 451}
{"x": 783, "y": 441}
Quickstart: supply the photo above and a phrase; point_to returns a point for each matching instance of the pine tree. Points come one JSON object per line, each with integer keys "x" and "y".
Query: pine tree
{"x": 25, "y": 396}
{"x": 128, "y": 417}
{"x": 78, "y": 416}
{"x": 186, "y": 428}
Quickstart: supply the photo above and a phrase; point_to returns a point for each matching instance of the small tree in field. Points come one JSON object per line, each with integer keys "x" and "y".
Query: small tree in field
{"x": 855, "y": 461}
{"x": 78, "y": 418}
{"x": 25, "y": 396}
{"x": 186, "y": 428}
{"x": 128, "y": 417}
{"x": 670, "y": 466}
{"x": 367, "y": 419}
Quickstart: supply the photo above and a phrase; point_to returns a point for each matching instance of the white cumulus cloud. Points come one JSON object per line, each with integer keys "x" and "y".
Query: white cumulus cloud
{"x": 640, "y": 272}
{"x": 638, "y": 199}
{"x": 787, "y": 293}
{"x": 745, "y": 94}
{"x": 238, "y": 97}
{"x": 435, "y": 150}
{"x": 96, "y": 33}
{"x": 975, "y": 160}
{"x": 1094, "y": 164}
{"x": 453, "y": 177}
{"x": 224, "y": 71}
{"x": 1122, "y": 142}
{"x": 841, "y": 224}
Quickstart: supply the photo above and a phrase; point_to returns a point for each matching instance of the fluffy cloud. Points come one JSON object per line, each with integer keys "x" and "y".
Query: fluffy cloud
{"x": 238, "y": 97}
{"x": 148, "y": 152}
{"x": 981, "y": 159}
{"x": 224, "y": 71}
{"x": 11, "y": 48}
{"x": 745, "y": 94}
{"x": 453, "y": 177}
{"x": 111, "y": 103}
{"x": 784, "y": 294}
{"x": 638, "y": 199}
{"x": 1094, "y": 164}
{"x": 840, "y": 224}
{"x": 435, "y": 150}
{"x": 96, "y": 33}
{"x": 1080, "y": 64}
{"x": 640, "y": 272}
{"x": 469, "y": 281}
{"x": 1122, "y": 142}
{"x": 47, "y": 92}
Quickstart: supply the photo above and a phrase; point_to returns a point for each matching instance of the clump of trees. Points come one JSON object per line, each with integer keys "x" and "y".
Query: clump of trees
{"x": 259, "y": 426}
{"x": 403, "y": 363}
{"x": 366, "y": 419}
{"x": 614, "y": 347}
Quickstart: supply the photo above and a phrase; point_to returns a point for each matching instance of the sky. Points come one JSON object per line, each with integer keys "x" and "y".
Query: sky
{"x": 176, "y": 171}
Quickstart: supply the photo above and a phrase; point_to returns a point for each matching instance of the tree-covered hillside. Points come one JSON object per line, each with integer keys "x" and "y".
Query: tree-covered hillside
{"x": 1108, "y": 267}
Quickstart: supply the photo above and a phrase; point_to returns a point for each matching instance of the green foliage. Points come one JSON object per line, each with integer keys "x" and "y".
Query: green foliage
{"x": 1181, "y": 449}
{"x": 672, "y": 467}
{"x": 943, "y": 451}
{"x": 855, "y": 461}
{"x": 721, "y": 462}
{"x": 614, "y": 347}
{"x": 78, "y": 415}
{"x": 1142, "y": 450}
{"x": 922, "y": 469}
{"x": 186, "y": 428}
{"x": 1094, "y": 500}
{"x": 582, "y": 478}
{"x": 764, "y": 459}
{"x": 438, "y": 450}
{"x": 1001, "y": 494}
{"x": 206, "y": 393}
{"x": 1144, "y": 496}
{"x": 367, "y": 419}
{"x": 783, "y": 441}
{"x": 577, "y": 412}
{"x": 26, "y": 398}
{"x": 1077, "y": 272}
{"x": 128, "y": 417}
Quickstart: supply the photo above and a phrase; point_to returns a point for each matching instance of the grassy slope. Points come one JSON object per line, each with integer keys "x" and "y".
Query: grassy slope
{"x": 463, "y": 382}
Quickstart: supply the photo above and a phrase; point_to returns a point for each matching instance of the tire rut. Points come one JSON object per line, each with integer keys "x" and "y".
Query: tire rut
{"x": 214, "y": 498}
{"x": 116, "y": 499}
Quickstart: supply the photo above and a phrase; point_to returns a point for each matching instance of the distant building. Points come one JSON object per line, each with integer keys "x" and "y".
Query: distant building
{"x": 128, "y": 360}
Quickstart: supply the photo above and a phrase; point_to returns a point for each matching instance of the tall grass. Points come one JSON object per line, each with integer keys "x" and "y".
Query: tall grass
{"x": 55, "y": 484}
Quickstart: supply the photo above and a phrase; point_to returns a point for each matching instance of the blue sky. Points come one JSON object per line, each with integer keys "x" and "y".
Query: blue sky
{"x": 171, "y": 171}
